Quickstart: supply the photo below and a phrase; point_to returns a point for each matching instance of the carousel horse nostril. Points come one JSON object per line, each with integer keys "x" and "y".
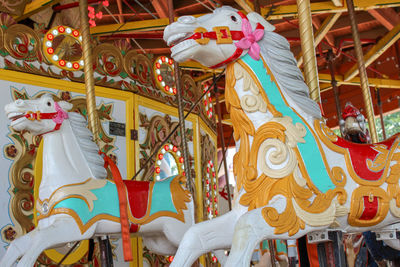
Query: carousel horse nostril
{"x": 186, "y": 19}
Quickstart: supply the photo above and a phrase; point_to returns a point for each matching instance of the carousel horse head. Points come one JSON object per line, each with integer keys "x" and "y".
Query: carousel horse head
{"x": 216, "y": 39}
{"x": 353, "y": 125}
{"x": 37, "y": 116}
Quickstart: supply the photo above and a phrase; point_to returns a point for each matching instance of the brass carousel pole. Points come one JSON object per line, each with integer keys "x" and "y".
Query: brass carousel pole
{"x": 369, "y": 108}
{"x": 308, "y": 49}
{"x": 179, "y": 95}
{"x": 88, "y": 70}
{"x": 91, "y": 101}
{"x": 311, "y": 77}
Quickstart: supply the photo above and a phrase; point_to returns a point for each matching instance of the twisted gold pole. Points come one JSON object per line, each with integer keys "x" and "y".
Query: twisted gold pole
{"x": 369, "y": 108}
{"x": 307, "y": 46}
{"x": 88, "y": 69}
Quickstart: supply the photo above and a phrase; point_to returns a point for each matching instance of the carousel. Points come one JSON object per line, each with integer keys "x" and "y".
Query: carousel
{"x": 200, "y": 133}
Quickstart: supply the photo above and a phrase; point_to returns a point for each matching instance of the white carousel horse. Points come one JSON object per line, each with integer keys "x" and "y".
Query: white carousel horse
{"x": 293, "y": 175}
{"x": 76, "y": 202}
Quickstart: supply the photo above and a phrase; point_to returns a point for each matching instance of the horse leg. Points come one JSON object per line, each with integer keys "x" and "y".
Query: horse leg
{"x": 159, "y": 245}
{"x": 205, "y": 237}
{"x": 16, "y": 249}
{"x": 250, "y": 230}
{"x": 62, "y": 230}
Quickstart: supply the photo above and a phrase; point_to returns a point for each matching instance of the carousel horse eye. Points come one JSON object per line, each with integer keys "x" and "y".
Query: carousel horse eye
{"x": 49, "y": 104}
{"x": 233, "y": 18}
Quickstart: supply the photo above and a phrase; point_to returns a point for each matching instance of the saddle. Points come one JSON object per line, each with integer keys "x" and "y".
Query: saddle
{"x": 138, "y": 199}
{"x": 368, "y": 161}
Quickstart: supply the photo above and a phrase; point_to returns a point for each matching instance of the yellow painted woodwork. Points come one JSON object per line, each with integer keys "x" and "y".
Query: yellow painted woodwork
{"x": 328, "y": 7}
{"x": 374, "y": 82}
{"x": 137, "y": 248}
{"x": 141, "y": 25}
{"x": 194, "y": 65}
{"x": 34, "y": 7}
{"x": 246, "y": 5}
{"x": 337, "y": 2}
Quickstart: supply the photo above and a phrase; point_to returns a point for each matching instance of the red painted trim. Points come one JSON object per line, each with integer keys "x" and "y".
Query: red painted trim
{"x": 123, "y": 206}
{"x": 235, "y": 56}
{"x": 360, "y": 153}
{"x": 370, "y": 208}
{"x": 138, "y": 197}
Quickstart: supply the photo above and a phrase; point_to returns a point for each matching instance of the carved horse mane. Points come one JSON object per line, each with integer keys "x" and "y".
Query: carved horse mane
{"x": 89, "y": 149}
{"x": 275, "y": 50}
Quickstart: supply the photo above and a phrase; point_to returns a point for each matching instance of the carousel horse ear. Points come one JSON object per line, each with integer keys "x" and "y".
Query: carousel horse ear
{"x": 257, "y": 18}
{"x": 65, "y": 105}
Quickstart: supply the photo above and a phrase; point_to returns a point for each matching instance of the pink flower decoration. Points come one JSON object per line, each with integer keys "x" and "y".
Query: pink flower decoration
{"x": 250, "y": 39}
{"x": 61, "y": 114}
{"x": 90, "y": 8}
{"x": 99, "y": 15}
{"x": 92, "y": 23}
{"x": 91, "y": 15}
{"x": 106, "y": 3}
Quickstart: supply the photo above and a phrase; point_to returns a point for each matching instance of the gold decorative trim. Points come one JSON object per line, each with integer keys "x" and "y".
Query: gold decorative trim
{"x": 357, "y": 205}
{"x": 82, "y": 227}
{"x": 78, "y": 190}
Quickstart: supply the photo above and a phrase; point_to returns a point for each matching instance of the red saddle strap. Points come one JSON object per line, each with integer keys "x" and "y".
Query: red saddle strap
{"x": 123, "y": 206}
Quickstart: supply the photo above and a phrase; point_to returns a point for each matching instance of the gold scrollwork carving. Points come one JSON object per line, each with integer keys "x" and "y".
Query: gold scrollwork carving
{"x": 138, "y": 67}
{"x": 22, "y": 42}
{"x": 108, "y": 60}
{"x": 293, "y": 184}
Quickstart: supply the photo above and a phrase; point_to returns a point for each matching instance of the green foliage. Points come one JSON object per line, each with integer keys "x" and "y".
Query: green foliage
{"x": 392, "y": 125}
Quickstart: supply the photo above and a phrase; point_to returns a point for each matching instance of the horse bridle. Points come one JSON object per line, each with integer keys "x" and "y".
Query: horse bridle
{"x": 57, "y": 117}
{"x": 222, "y": 35}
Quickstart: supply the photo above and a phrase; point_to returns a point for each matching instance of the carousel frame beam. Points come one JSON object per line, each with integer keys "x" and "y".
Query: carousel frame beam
{"x": 194, "y": 65}
{"x": 317, "y": 24}
{"x": 383, "y": 44}
{"x": 161, "y": 8}
{"x": 157, "y": 51}
{"x": 120, "y": 17}
{"x": 337, "y": 2}
{"x": 386, "y": 16}
{"x": 246, "y": 5}
{"x": 142, "y": 25}
{"x": 35, "y": 7}
{"x": 325, "y": 80}
{"x": 327, "y": 7}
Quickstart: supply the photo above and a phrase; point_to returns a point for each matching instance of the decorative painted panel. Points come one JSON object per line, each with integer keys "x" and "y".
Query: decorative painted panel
{"x": 154, "y": 127}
